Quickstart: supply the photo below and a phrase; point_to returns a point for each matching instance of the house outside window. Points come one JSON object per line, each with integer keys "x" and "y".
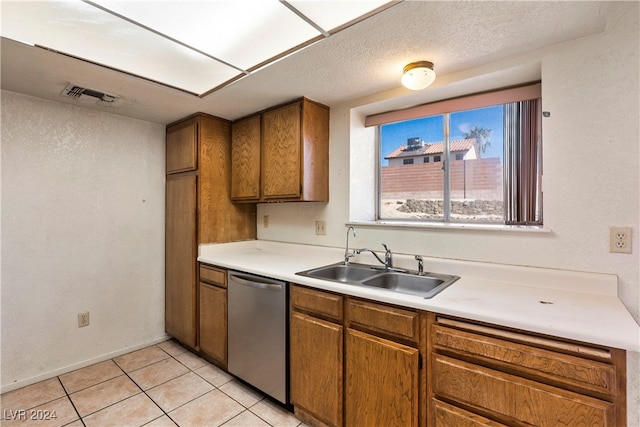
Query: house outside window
{"x": 486, "y": 166}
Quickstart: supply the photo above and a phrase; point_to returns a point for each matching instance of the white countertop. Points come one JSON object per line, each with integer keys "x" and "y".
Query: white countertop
{"x": 575, "y": 305}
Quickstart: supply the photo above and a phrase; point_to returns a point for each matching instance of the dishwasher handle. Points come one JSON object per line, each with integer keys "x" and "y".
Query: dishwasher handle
{"x": 256, "y": 282}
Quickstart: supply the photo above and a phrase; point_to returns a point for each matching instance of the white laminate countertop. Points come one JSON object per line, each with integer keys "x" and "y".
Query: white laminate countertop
{"x": 567, "y": 304}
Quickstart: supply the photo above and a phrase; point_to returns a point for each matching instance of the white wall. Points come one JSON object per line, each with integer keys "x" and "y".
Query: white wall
{"x": 591, "y": 143}
{"x": 82, "y": 229}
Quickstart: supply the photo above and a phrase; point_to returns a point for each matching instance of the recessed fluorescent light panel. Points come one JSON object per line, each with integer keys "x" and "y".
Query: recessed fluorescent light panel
{"x": 194, "y": 46}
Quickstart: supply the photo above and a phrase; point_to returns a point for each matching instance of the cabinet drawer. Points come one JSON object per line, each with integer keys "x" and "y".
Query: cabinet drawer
{"x": 451, "y": 416}
{"x": 516, "y": 399}
{"x": 527, "y": 360}
{"x": 212, "y": 275}
{"x": 323, "y": 304}
{"x": 379, "y": 318}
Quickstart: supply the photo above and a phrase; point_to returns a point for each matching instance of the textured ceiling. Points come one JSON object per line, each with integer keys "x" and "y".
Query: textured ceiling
{"x": 360, "y": 61}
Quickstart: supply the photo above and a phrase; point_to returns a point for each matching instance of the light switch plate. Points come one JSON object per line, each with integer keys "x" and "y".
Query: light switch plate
{"x": 321, "y": 228}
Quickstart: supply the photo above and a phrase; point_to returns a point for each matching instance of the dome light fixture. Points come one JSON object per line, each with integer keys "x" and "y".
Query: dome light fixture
{"x": 418, "y": 75}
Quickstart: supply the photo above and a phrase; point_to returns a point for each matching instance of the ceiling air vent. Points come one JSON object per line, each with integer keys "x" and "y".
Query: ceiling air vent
{"x": 78, "y": 92}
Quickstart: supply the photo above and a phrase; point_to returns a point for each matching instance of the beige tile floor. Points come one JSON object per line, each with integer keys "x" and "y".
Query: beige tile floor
{"x": 161, "y": 385}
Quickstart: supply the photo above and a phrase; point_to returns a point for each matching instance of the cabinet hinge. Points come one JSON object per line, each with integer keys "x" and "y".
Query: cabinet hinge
{"x": 419, "y": 361}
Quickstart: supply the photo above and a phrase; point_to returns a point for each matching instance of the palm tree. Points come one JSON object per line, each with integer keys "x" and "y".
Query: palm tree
{"x": 482, "y": 137}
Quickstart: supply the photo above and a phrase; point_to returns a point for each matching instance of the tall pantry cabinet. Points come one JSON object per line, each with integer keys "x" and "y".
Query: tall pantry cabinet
{"x": 198, "y": 210}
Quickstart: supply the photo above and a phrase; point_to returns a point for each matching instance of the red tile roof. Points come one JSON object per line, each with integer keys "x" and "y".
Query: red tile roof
{"x": 432, "y": 148}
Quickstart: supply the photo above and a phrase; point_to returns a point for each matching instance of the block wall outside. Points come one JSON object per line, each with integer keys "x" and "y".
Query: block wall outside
{"x": 469, "y": 179}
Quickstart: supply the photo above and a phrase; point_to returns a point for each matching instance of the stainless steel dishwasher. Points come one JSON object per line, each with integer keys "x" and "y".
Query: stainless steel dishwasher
{"x": 257, "y": 326}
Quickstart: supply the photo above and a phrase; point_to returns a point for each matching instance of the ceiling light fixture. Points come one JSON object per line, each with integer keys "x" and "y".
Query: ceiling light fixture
{"x": 418, "y": 75}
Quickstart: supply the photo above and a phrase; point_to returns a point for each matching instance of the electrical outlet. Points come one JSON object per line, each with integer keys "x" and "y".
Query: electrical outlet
{"x": 83, "y": 319}
{"x": 321, "y": 228}
{"x": 265, "y": 221}
{"x": 620, "y": 240}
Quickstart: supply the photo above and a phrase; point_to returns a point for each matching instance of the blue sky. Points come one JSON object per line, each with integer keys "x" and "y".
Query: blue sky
{"x": 430, "y": 129}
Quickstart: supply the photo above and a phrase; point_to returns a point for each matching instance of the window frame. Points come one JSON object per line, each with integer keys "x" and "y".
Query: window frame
{"x": 531, "y": 91}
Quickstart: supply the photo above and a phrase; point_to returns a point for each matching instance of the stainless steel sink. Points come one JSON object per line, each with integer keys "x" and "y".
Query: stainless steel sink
{"x": 342, "y": 273}
{"x": 425, "y": 285}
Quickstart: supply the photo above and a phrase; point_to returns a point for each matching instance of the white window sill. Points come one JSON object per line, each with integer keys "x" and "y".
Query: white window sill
{"x": 501, "y": 228}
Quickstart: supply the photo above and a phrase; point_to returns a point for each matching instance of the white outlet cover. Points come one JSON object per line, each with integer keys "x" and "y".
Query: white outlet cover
{"x": 620, "y": 240}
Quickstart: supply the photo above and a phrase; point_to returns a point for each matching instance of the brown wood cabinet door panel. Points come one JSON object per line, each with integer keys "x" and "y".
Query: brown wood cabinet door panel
{"x": 213, "y": 322}
{"x": 182, "y": 147}
{"x": 180, "y": 252}
{"x": 381, "y": 382}
{"x": 281, "y": 140}
{"x": 245, "y": 159}
{"x": 315, "y": 135}
{"x": 317, "y": 302}
{"x": 451, "y": 416}
{"x": 537, "y": 362}
{"x": 516, "y": 398}
{"x": 316, "y": 367}
{"x": 381, "y": 318}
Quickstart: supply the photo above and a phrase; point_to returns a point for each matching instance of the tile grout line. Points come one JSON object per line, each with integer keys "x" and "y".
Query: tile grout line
{"x": 145, "y": 393}
{"x": 70, "y": 401}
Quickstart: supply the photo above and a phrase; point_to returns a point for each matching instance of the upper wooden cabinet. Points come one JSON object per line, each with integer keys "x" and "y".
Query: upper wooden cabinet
{"x": 182, "y": 146}
{"x": 245, "y": 159}
{"x": 292, "y": 155}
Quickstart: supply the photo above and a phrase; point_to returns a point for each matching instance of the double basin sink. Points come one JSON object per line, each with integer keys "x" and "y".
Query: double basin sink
{"x": 425, "y": 285}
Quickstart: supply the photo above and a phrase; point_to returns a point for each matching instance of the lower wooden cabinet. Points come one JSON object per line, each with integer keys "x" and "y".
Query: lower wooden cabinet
{"x": 484, "y": 375}
{"x": 316, "y": 356}
{"x": 381, "y": 387}
{"x": 446, "y": 415}
{"x": 316, "y": 368}
{"x": 213, "y": 314}
{"x": 382, "y": 364}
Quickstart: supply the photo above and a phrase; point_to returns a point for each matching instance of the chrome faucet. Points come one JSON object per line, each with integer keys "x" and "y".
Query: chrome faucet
{"x": 348, "y": 255}
{"x": 420, "y": 265}
{"x": 388, "y": 256}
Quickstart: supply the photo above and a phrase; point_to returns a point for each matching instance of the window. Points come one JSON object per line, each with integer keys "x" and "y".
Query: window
{"x": 407, "y": 161}
{"x": 426, "y": 160}
{"x": 497, "y": 173}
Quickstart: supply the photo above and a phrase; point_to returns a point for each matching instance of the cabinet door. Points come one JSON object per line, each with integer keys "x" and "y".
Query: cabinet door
{"x": 182, "y": 147}
{"x": 381, "y": 382}
{"x": 245, "y": 159}
{"x": 316, "y": 367}
{"x": 213, "y": 322}
{"x": 281, "y": 152}
{"x": 180, "y": 258}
